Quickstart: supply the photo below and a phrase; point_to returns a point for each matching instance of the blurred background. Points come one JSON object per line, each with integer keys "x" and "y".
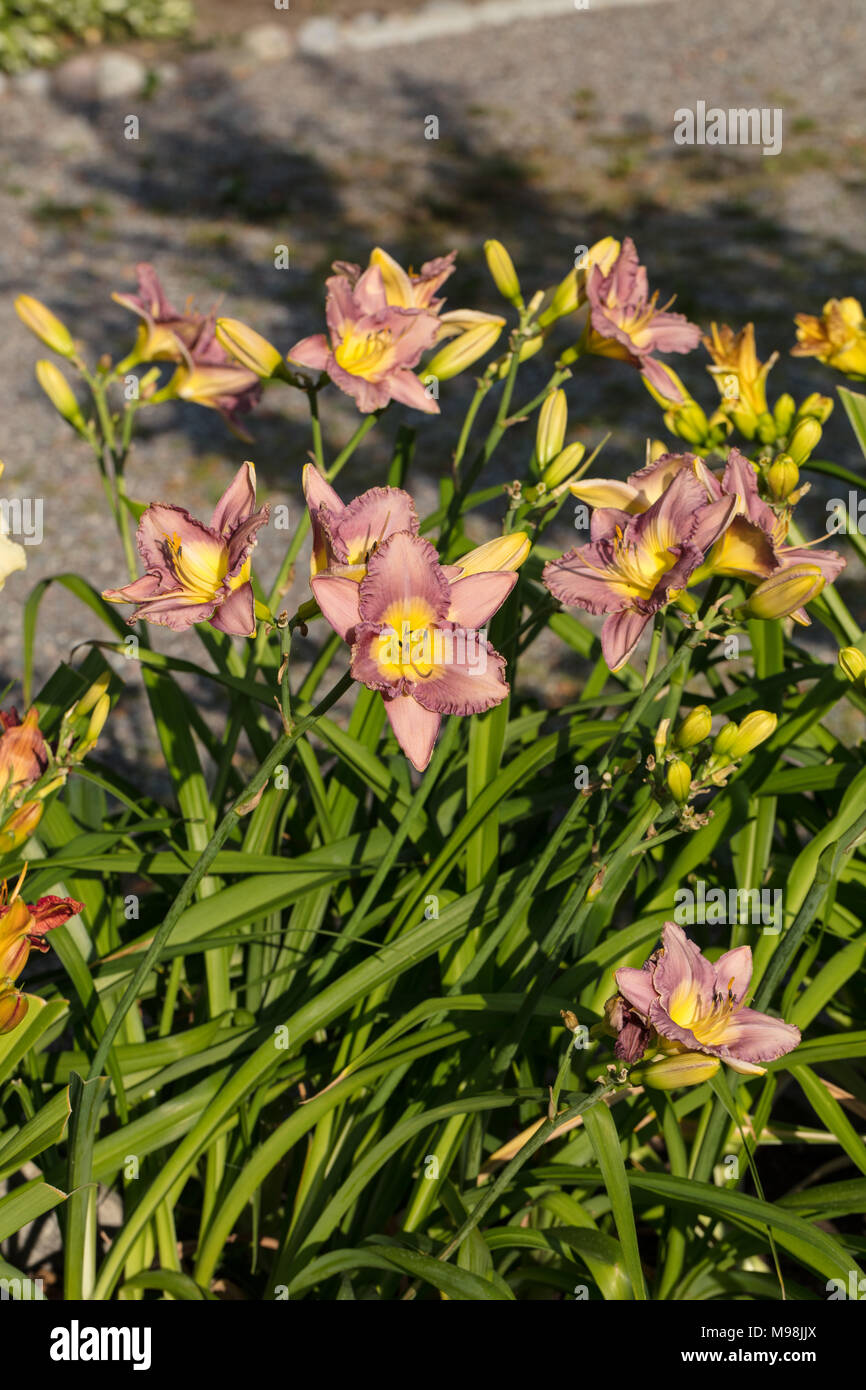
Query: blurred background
{"x": 306, "y": 126}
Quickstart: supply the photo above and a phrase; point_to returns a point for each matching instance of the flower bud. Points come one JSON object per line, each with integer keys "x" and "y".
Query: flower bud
{"x": 47, "y": 326}
{"x": 59, "y": 392}
{"x": 93, "y": 694}
{"x": 13, "y": 1007}
{"x": 660, "y": 742}
{"x": 783, "y": 593}
{"x": 562, "y": 467}
{"x": 460, "y": 353}
{"x": 783, "y": 475}
{"x": 565, "y": 300}
{"x": 724, "y": 739}
{"x": 766, "y": 428}
{"x": 755, "y": 728}
{"x": 681, "y": 1069}
{"x": 101, "y": 711}
{"x": 806, "y": 438}
{"x": 783, "y": 413}
{"x": 552, "y": 422}
{"x": 679, "y": 779}
{"x": 853, "y": 665}
{"x": 691, "y": 423}
{"x": 501, "y": 267}
{"x": 18, "y": 827}
{"x": 695, "y": 727}
{"x": 746, "y": 421}
{"x": 502, "y": 553}
{"x": 816, "y": 407}
{"x": 248, "y": 347}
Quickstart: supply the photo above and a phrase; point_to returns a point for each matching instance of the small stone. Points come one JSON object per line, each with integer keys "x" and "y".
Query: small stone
{"x": 35, "y": 83}
{"x": 268, "y": 43}
{"x": 319, "y": 36}
{"x": 120, "y": 75}
{"x": 77, "y": 80}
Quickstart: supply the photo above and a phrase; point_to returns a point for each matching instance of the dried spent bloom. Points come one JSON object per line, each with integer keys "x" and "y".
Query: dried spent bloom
{"x": 837, "y": 338}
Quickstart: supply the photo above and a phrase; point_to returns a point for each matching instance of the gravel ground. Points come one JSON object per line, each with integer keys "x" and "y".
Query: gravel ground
{"x": 551, "y": 133}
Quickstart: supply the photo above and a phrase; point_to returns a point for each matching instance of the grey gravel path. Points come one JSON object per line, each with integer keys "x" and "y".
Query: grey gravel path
{"x": 552, "y": 132}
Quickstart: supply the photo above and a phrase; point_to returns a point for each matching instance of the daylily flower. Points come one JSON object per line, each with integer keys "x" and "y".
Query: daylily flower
{"x": 624, "y": 321}
{"x": 13, "y": 1007}
{"x": 685, "y": 1003}
{"x": 634, "y": 565}
{"x": 734, "y": 355}
{"x": 198, "y": 573}
{"x": 750, "y": 548}
{"x": 837, "y": 338}
{"x": 208, "y": 375}
{"x": 345, "y": 535}
{"x": 23, "y": 927}
{"x": 371, "y": 346}
{"x": 23, "y": 750}
{"x": 413, "y": 626}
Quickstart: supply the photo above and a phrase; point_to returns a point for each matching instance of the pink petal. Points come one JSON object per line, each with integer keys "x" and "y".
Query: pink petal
{"x": 415, "y": 728}
{"x": 477, "y": 597}
{"x": 318, "y": 491}
{"x": 620, "y": 635}
{"x": 472, "y": 681}
{"x": 733, "y": 971}
{"x": 407, "y": 388}
{"x": 637, "y": 987}
{"x": 682, "y": 969}
{"x": 236, "y": 614}
{"x": 236, "y": 502}
{"x": 311, "y": 352}
{"x": 368, "y": 521}
{"x": 757, "y": 1037}
{"x": 148, "y": 586}
{"x": 339, "y": 601}
{"x": 404, "y": 572}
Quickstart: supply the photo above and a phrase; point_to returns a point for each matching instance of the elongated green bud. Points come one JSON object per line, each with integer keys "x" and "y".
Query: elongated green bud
{"x": 502, "y": 269}
{"x": 695, "y": 727}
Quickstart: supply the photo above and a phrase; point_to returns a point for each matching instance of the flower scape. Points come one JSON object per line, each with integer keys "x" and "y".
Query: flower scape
{"x": 523, "y": 830}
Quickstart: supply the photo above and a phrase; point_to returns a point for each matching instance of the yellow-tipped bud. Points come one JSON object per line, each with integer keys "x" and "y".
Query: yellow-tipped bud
{"x": 816, "y": 407}
{"x": 679, "y": 779}
{"x": 552, "y": 423}
{"x": 562, "y": 467}
{"x": 695, "y": 727}
{"x": 18, "y": 827}
{"x": 59, "y": 392}
{"x": 660, "y": 742}
{"x": 783, "y": 475}
{"x": 460, "y": 353}
{"x": 691, "y": 423}
{"x": 501, "y": 267}
{"x": 657, "y": 447}
{"x": 754, "y": 729}
{"x": 784, "y": 593}
{"x": 746, "y": 421}
{"x": 101, "y": 711}
{"x": 805, "y": 439}
{"x": 248, "y": 347}
{"x": 502, "y": 553}
{"x": 681, "y": 1069}
{"x": 46, "y": 326}
{"x": 565, "y": 300}
{"x": 853, "y": 664}
{"x": 783, "y": 413}
{"x": 724, "y": 739}
{"x": 13, "y": 1007}
{"x": 766, "y": 428}
{"x": 93, "y": 693}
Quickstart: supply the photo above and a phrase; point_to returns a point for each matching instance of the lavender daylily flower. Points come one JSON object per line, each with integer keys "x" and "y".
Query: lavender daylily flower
{"x": 346, "y": 534}
{"x": 413, "y": 627}
{"x": 625, "y": 323}
{"x": 371, "y": 345}
{"x": 198, "y": 573}
{"x": 634, "y": 565}
{"x": 694, "y": 1005}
